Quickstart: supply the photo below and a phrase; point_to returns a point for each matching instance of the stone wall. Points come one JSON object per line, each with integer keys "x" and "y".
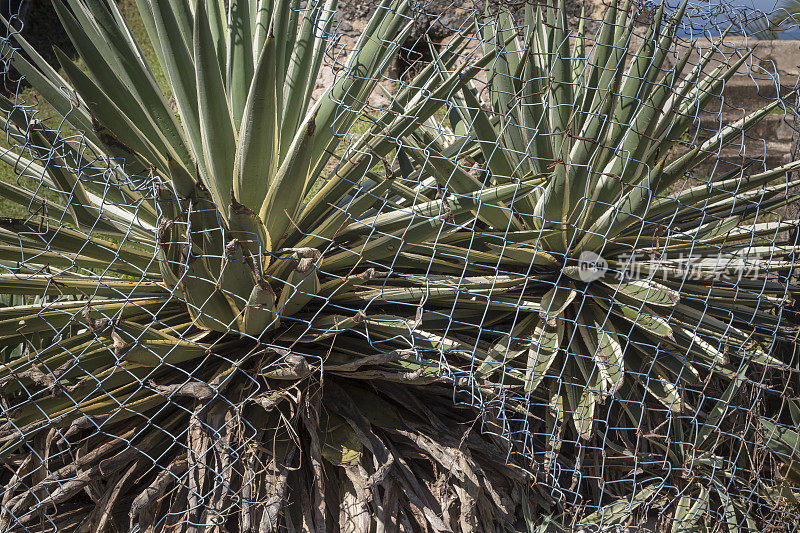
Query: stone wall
{"x": 772, "y": 69}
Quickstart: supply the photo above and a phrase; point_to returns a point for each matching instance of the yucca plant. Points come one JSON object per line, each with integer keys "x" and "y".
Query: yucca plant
{"x": 180, "y": 359}
{"x": 632, "y": 304}
{"x": 210, "y": 342}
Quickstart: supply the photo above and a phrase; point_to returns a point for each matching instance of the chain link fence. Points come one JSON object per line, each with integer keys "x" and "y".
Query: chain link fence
{"x": 541, "y": 275}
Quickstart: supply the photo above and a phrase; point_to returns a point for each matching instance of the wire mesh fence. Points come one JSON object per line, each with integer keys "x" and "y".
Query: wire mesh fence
{"x": 283, "y": 266}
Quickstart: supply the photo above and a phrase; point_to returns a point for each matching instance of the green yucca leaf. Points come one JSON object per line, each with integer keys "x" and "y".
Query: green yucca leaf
{"x": 288, "y": 187}
{"x": 217, "y": 127}
{"x": 257, "y": 149}
{"x": 543, "y": 351}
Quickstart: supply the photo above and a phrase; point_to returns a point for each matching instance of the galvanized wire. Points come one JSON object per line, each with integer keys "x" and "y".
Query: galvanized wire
{"x": 750, "y": 462}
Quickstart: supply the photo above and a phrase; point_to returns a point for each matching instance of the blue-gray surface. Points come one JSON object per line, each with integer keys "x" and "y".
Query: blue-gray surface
{"x": 748, "y": 17}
